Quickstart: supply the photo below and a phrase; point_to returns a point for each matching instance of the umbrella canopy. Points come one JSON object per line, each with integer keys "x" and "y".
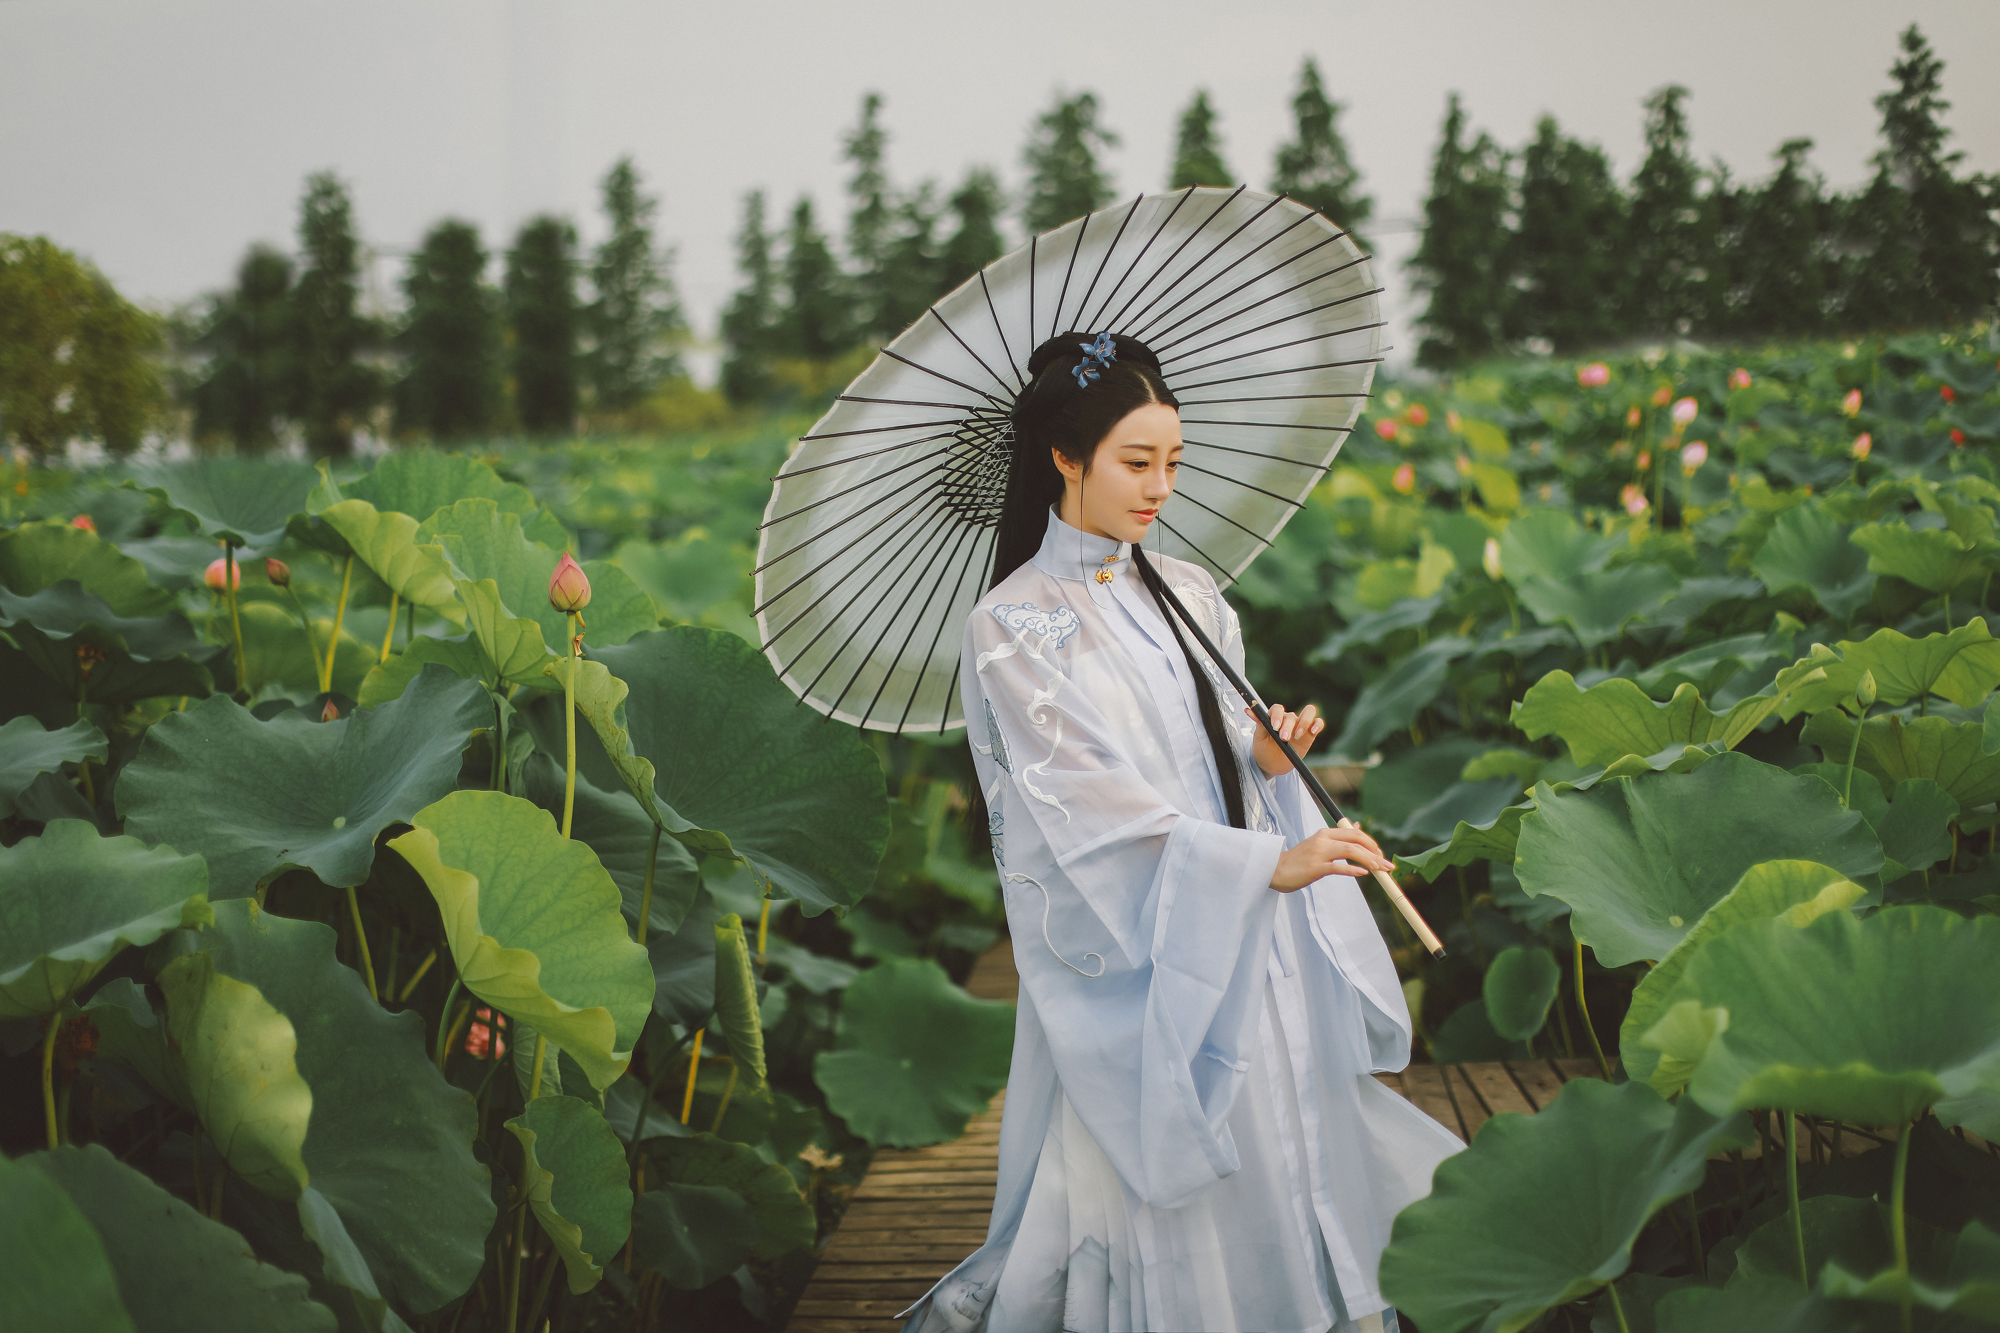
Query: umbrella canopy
{"x": 878, "y": 539}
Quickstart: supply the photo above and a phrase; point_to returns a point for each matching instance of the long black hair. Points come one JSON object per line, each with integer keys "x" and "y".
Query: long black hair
{"x": 1055, "y": 412}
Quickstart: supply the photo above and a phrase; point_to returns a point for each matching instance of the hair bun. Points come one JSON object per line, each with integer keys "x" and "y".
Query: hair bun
{"x": 1069, "y": 347}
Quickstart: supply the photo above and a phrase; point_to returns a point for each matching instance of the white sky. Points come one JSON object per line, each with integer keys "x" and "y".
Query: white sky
{"x": 161, "y": 139}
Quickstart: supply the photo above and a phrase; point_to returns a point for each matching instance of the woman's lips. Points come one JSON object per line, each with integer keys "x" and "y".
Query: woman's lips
{"x": 1145, "y": 515}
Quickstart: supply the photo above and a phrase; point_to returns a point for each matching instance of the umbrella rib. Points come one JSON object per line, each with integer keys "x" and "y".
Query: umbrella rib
{"x": 787, "y": 554}
{"x": 1063, "y": 297}
{"x": 1226, "y": 519}
{"x": 892, "y": 353}
{"x": 1033, "y": 268}
{"x": 1213, "y": 251}
{"x": 888, "y": 672}
{"x": 863, "y": 563}
{"x": 1112, "y": 295}
{"x": 1269, "y": 398}
{"x": 1167, "y": 263}
{"x": 1222, "y": 272}
{"x": 1237, "y": 481}
{"x": 1252, "y": 453}
{"x": 1269, "y": 425}
{"x": 1220, "y": 320}
{"x": 1012, "y": 365}
{"x": 1105, "y": 262}
{"x": 1250, "y": 282}
{"x": 880, "y": 430}
{"x": 1004, "y": 386}
{"x": 1213, "y": 564}
{"x": 833, "y": 620}
{"x": 1274, "y": 347}
{"x": 1286, "y": 370}
{"x": 866, "y": 481}
{"x": 944, "y": 714}
{"x": 971, "y": 559}
{"x": 872, "y": 453}
{"x": 913, "y": 402}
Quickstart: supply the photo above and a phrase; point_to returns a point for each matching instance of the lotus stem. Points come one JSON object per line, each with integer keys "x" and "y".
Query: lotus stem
{"x": 339, "y": 615}
{"x": 520, "y": 1234}
{"x": 49, "y": 1078}
{"x": 447, "y": 1021}
{"x": 549, "y": 1266}
{"x": 1792, "y": 1195}
{"x": 1700, "y": 1258}
{"x": 1853, "y": 750}
{"x": 535, "y": 1081}
{"x": 646, "y": 898}
{"x": 569, "y": 715}
{"x": 763, "y": 930}
{"x": 1583, "y": 1007}
{"x": 694, "y": 1068}
{"x": 229, "y": 577}
{"x": 1898, "y": 1233}
{"x": 1617, "y": 1308}
{"x": 361, "y": 941}
{"x": 312, "y": 635}
{"x": 389, "y": 634}
{"x": 728, "y": 1091}
{"x": 403, "y": 997}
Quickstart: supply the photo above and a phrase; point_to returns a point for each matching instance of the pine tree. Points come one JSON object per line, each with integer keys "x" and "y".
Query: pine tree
{"x": 871, "y": 221}
{"x": 912, "y": 263}
{"x": 635, "y": 318}
{"x": 451, "y": 340}
{"x": 249, "y": 343}
{"x": 1780, "y": 254}
{"x": 1461, "y": 261}
{"x": 1564, "y": 258}
{"x": 1064, "y": 178}
{"x": 335, "y": 385}
{"x": 815, "y": 320}
{"x": 76, "y": 358}
{"x": 975, "y": 242}
{"x": 1314, "y": 168}
{"x": 1668, "y": 246}
{"x": 749, "y": 323}
{"x": 1197, "y": 152}
{"x": 542, "y": 316}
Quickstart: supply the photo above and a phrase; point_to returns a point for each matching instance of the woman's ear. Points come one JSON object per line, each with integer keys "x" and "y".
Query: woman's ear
{"x": 1071, "y": 471}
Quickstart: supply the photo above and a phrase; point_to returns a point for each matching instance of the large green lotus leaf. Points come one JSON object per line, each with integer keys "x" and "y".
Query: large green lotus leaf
{"x": 71, "y": 900}
{"x": 386, "y": 541}
{"x": 462, "y": 656}
{"x": 1494, "y": 840}
{"x": 512, "y": 645}
{"x": 135, "y": 659}
{"x": 736, "y": 997}
{"x": 798, "y": 796}
{"x": 683, "y": 963}
{"x": 1935, "y": 559}
{"x": 130, "y": 1030}
{"x": 28, "y": 749}
{"x": 1962, "y": 666}
{"x": 1549, "y": 544}
{"x": 181, "y": 1272}
{"x": 278, "y": 653}
{"x": 1798, "y": 891}
{"x": 1869, "y": 1020}
{"x": 419, "y": 482}
{"x": 1764, "y": 1305}
{"x": 257, "y": 797}
{"x": 534, "y": 925}
{"x": 1713, "y": 665}
{"x": 1956, "y": 1275}
{"x": 693, "y": 1235}
{"x": 1614, "y": 718}
{"x": 1896, "y": 749}
{"x": 575, "y": 1178}
{"x": 1915, "y": 828}
{"x": 1519, "y": 987}
{"x": 1640, "y": 859}
{"x": 916, "y": 1056}
{"x": 622, "y": 836}
{"x": 1989, "y": 741}
{"x": 1541, "y": 1210}
{"x": 1370, "y": 628}
{"x": 600, "y": 701}
{"x": 246, "y": 500}
{"x": 1808, "y": 548}
{"x": 53, "y": 1268}
{"x": 35, "y": 556}
{"x": 1597, "y": 606}
{"x": 784, "y": 1219}
{"x": 238, "y": 1053}
{"x": 389, "y": 1145}
{"x": 1392, "y": 700}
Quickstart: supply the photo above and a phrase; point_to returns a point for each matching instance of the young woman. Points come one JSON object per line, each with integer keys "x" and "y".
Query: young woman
{"x": 1191, "y": 1139}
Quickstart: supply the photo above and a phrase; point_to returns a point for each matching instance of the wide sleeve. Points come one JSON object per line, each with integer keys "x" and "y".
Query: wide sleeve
{"x": 1142, "y": 933}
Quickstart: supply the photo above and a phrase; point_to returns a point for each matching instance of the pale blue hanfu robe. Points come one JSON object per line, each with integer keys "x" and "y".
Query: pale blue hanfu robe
{"x": 1191, "y": 1138}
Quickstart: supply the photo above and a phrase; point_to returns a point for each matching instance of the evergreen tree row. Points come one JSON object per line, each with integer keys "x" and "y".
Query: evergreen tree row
{"x": 291, "y": 347}
{"x": 1545, "y": 248}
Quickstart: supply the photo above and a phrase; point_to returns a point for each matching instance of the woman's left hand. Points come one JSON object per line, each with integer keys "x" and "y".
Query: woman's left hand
{"x": 1301, "y": 729}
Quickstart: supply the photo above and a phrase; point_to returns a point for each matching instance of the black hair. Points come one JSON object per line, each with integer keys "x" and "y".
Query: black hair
{"x": 1056, "y": 413}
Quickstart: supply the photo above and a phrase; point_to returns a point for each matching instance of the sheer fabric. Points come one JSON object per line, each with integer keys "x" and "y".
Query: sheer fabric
{"x": 1192, "y": 1139}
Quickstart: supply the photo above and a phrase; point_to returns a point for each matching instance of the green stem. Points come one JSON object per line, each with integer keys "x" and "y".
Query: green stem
{"x": 1700, "y": 1258}
{"x": 403, "y": 997}
{"x": 569, "y": 714}
{"x": 339, "y": 615}
{"x": 235, "y": 622}
{"x": 49, "y": 1078}
{"x": 1617, "y": 1308}
{"x": 520, "y": 1234}
{"x": 1897, "y": 1232}
{"x": 1853, "y": 749}
{"x": 445, "y": 1019}
{"x": 535, "y": 1083}
{"x": 361, "y": 940}
{"x": 1583, "y": 1007}
{"x": 1792, "y": 1195}
{"x": 312, "y": 635}
{"x": 497, "y": 781}
{"x": 389, "y": 634}
{"x": 646, "y": 898}
{"x": 549, "y": 1266}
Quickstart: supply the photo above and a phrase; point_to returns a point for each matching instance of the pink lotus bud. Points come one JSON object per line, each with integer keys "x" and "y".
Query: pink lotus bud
{"x": 1451, "y": 422}
{"x": 278, "y": 572}
{"x": 1489, "y": 559}
{"x": 218, "y": 574}
{"x": 1463, "y": 464}
{"x": 1631, "y": 416}
{"x": 569, "y": 589}
{"x": 1418, "y": 415}
{"x": 1386, "y": 428}
{"x": 1593, "y": 376}
{"x": 1862, "y": 444}
{"x": 1405, "y": 480}
{"x": 1739, "y": 378}
{"x": 330, "y": 713}
{"x": 1645, "y": 459}
{"x": 1851, "y": 404}
{"x": 1633, "y": 497}
{"x": 1685, "y": 411}
{"x": 85, "y": 522}
{"x": 1662, "y": 396}
{"x": 1694, "y": 456}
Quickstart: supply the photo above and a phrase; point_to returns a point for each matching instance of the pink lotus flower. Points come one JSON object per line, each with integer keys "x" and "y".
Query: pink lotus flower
{"x": 1451, "y": 422}
{"x": 1405, "y": 480}
{"x": 1685, "y": 411}
{"x": 1632, "y": 416}
{"x": 1633, "y": 497}
{"x": 485, "y": 1035}
{"x": 1851, "y": 404}
{"x": 1662, "y": 396}
{"x": 569, "y": 589}
{"x": 1739, "y": 378}
{"x": 1862, "y": 444}
{"x": 1463, "y": 464}
{"x": 278, "y": 572}
{"x": 1694, "y": 456}
{"x": 218, "y": 573}
{"x": 1645, "y": 459}
{"x": 1593, "y": 376}
{"x": 1386, "y": 428}
{"x": 85, "y": 522}
{"x": 1418, "y": 415}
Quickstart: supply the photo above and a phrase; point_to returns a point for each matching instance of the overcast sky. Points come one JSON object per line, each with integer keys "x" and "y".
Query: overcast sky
{"x": 160, "y": 139}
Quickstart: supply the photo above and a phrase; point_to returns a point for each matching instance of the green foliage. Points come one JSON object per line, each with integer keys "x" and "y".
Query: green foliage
{"x": 251, "y": 340}
{"x": 75, "y": 356}
{"x": 1520, "y": 986}
{"x": 1314, "y": 166}
{"x": 27, "y": 750}
{"x": 1064, "y": 178}
{"x": 1459, "y": 263}
{"x": 52, "y": 1263}
{"x": 1198, "y": 150}
{"x": 635, "y": 320}
{"x": 336, "y": 384}
{"x": 576, "y": 1183}
{"x": 540, "y": 304}
{"x": 451, "y": 337}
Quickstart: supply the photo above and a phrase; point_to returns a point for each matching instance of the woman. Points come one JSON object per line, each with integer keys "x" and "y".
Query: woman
{"x": 1191, "y": 1139}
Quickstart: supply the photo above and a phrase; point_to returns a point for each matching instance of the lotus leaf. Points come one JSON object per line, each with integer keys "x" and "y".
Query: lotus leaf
{"x": 1915, "y": 828}
{"x": 54, "y": 939}
{"x": 1798, "y": 891}
{"x": 241, "y": 1077}
{"x": 622, "y": 837}
{"x": 1390, "y": 703}
{"x": 35, "y": 556}
{"x": 52, "y": 1264}
{"x": 1807, "y": 547}
{"x": 246, "y": 501}
{"x": 182, "y": 1272}
{"x": 1614, "y": 718}
{"x": 1934, "y": 559}
{"x": 28, "y": 749}
{"x": 277, "y": 652}
{"x": 576, "y": 1182}
{"x": 1970, "y": 1285}
{"x": 1520, "y": 986}
{"x": 415, "y": 569}
{"x": 1597, "y": 606}
{"x": 419, "y": 482}
{"x": 1549, "y": 544}
{"x": 683, "y": 963}
{"x": 1467, "y": 1037}
{"x": 1990, "y": 721}
{"x": 1640, "y": 860}
{"x": 916, "y": 1056}
{"x": 1895, "y": 749}
{"x": 1713, "y": 665}
{"x": 534, "y": 925}
{"x": 736, "y": 997}
{"x": 1370, "y": 629}
{"x": 256, "y": 797}
{"x": 1765, "y": 1305}
{"x": 1494, "y": 840}
{"x": 784, "y": 1219}
{"x": 462, "y": 656}
{"x": 1962, "y": 666}
{"x": 131, "y": 1031}
{"x": 1543, "y": 1209}
{"x": 693, "y": 1235}
{"x": 513, "y": 647}
{"x": 1872, "y": 1021}
{"x": 128, "y": 660}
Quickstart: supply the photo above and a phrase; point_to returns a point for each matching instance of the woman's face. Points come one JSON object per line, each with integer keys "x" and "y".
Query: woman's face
{"x": 1130, "y": 478}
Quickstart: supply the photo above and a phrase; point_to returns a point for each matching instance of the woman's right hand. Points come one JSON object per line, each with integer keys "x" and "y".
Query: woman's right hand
{"x": 1330, "y": 851}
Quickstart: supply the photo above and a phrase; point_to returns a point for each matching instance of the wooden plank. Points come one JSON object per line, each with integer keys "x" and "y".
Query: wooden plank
{"x": 867, "y": 1190}
{"x": 848, "y": 1309}
{"x": 843, "y": 1325}
{"x": 905, "y": 1247}
{"x": 1496, "y": 1089}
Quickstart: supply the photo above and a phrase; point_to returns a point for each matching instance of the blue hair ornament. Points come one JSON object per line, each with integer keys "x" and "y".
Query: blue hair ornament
{"x": 1095, "y": 355}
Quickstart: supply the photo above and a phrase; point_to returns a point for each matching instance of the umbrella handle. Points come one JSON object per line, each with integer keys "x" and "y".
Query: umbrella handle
{"x": 1335, "y": 817}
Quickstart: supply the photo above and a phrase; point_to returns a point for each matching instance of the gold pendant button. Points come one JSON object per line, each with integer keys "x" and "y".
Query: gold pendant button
{"x": 1105, "y": 576}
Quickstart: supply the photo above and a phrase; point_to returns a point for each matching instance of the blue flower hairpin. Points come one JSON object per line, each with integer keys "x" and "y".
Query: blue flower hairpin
{"x": 1095, "y": 355}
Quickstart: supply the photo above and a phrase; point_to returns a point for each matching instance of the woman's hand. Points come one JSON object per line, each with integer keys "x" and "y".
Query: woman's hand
{"x": 1301, "y": 729}
{"x": 1331, "y": 851}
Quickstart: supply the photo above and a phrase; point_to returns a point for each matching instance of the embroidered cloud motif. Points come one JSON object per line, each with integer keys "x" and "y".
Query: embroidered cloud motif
{"x": 1054, "y": 625}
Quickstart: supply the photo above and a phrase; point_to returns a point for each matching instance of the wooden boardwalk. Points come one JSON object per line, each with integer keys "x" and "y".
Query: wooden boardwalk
{"x": 921, "y": 1210}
